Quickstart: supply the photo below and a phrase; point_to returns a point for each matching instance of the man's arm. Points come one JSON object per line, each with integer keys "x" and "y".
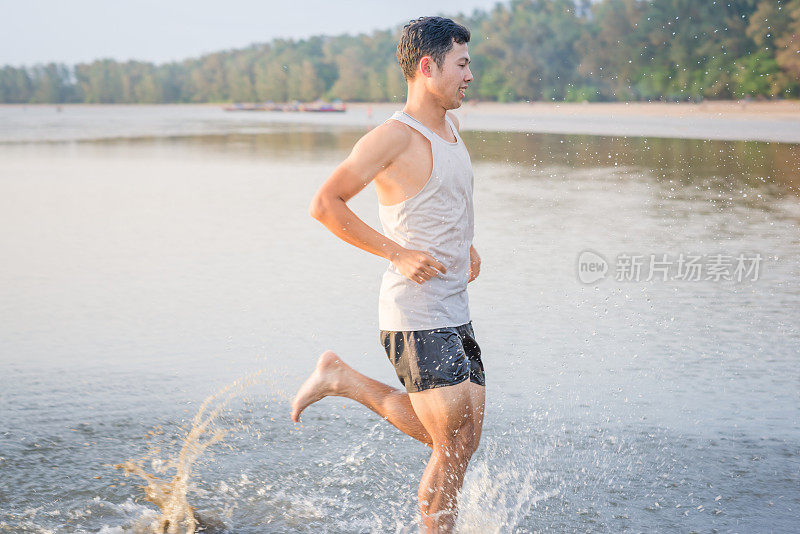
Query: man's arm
{"x": 373, "y": 152}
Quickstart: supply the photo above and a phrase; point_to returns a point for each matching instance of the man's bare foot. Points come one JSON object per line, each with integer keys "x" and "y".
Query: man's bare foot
{"x": 323, "y": 381}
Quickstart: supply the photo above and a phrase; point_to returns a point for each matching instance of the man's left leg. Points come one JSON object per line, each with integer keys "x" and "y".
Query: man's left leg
{"x": 455, "y": 424}
{"x": 477, "y": 394}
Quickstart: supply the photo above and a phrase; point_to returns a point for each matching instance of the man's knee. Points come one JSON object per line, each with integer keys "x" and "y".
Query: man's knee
{"x": 465, "y": 440}
{"x": 477, "y": 430}
{"x": 468, "y": 437}
{"x": 471, "y": 441}
{"x": 476, "y": 439}
{"x": 457, "y": 443}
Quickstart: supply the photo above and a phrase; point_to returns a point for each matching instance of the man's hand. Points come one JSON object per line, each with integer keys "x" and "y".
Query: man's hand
{"x": 416, "y": 265}
{"x": 474, "y": 264}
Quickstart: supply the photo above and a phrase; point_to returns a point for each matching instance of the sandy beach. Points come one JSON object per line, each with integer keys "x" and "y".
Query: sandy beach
{"x": 777, "y": 121}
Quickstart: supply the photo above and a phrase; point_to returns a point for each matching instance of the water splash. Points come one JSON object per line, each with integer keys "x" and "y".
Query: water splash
{"x": 498, "y": 493}
{"x": 170, "y": 495}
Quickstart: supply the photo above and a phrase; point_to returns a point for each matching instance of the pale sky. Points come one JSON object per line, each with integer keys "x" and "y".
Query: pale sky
{"x": 74, "y": 31}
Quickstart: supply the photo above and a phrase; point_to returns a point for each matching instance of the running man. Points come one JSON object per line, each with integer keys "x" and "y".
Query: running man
{"x": 423, "y": 178}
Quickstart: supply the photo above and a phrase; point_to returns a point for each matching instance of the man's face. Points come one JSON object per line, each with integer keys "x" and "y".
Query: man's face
{"x": 450, "y": 84}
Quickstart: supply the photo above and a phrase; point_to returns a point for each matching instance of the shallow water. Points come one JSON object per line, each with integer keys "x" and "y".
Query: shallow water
{"x": 144, "y": 271}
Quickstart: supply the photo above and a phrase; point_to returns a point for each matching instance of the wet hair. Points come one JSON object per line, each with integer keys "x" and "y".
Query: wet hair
{"x": 428, "y": 36}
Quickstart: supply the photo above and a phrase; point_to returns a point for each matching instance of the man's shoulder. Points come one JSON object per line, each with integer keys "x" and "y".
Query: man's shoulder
{"x": 389, "y": 139}
{"x": 390, "y": 132}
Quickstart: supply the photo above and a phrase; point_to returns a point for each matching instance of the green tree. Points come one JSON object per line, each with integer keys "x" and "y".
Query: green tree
{"x": 532, "y": 44}
{"x": 396, "y": 86}
{"x": 523, "y": 50}
{"x": 16, "y": 86}
{"x": 351, "y": 82}
{"x": 271, "y": 81}
{"x": 51, "y": 83}
{"x": 788, "y": 41}
{"x": 302, "y": 81}
{"x": 100, "y": 81}
{"x": 614, "y": 54}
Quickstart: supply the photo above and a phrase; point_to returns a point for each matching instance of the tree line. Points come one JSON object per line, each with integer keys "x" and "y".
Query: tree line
{"x": 562, "y": 50}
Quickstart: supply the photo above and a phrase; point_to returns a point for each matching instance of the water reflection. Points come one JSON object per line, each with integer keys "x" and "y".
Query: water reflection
{"x": 720, "y": 166}
{"x": 698, "y": 168}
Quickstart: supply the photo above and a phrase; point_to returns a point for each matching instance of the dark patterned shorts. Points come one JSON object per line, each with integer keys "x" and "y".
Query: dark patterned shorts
{"x": 425, "y": 359}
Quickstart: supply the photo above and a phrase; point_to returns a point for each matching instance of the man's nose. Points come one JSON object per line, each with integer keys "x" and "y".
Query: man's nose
{"x": 468, "y": 77}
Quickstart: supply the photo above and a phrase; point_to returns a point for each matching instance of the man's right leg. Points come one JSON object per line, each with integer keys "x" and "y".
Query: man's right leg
{"x": 333, "y": 377}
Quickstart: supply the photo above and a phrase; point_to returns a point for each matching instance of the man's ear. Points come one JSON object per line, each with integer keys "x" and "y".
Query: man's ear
{"x": 426, "y": 64}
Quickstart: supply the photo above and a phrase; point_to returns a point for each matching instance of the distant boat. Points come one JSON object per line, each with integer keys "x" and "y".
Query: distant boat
{"x": 336, "y": 105}
{"x": 319, "y": 105}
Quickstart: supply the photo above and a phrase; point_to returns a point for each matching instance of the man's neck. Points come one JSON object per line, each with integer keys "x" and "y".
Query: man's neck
{"x": 425, "y": 109}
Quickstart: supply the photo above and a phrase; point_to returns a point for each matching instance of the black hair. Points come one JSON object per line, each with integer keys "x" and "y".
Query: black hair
{"x": 428, "y": 36}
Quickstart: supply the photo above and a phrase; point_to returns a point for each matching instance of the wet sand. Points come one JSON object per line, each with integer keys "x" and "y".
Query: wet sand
{"x": 721, "y": 120}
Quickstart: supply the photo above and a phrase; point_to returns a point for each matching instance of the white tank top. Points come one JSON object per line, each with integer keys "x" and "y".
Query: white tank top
{"x": 438, "y": 220}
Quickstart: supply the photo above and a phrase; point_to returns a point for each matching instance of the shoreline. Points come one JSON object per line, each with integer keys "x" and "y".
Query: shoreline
{"x": 789, "y": 108}
{"x": 770, "y": 121}
{"x": 765, "y": 121}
